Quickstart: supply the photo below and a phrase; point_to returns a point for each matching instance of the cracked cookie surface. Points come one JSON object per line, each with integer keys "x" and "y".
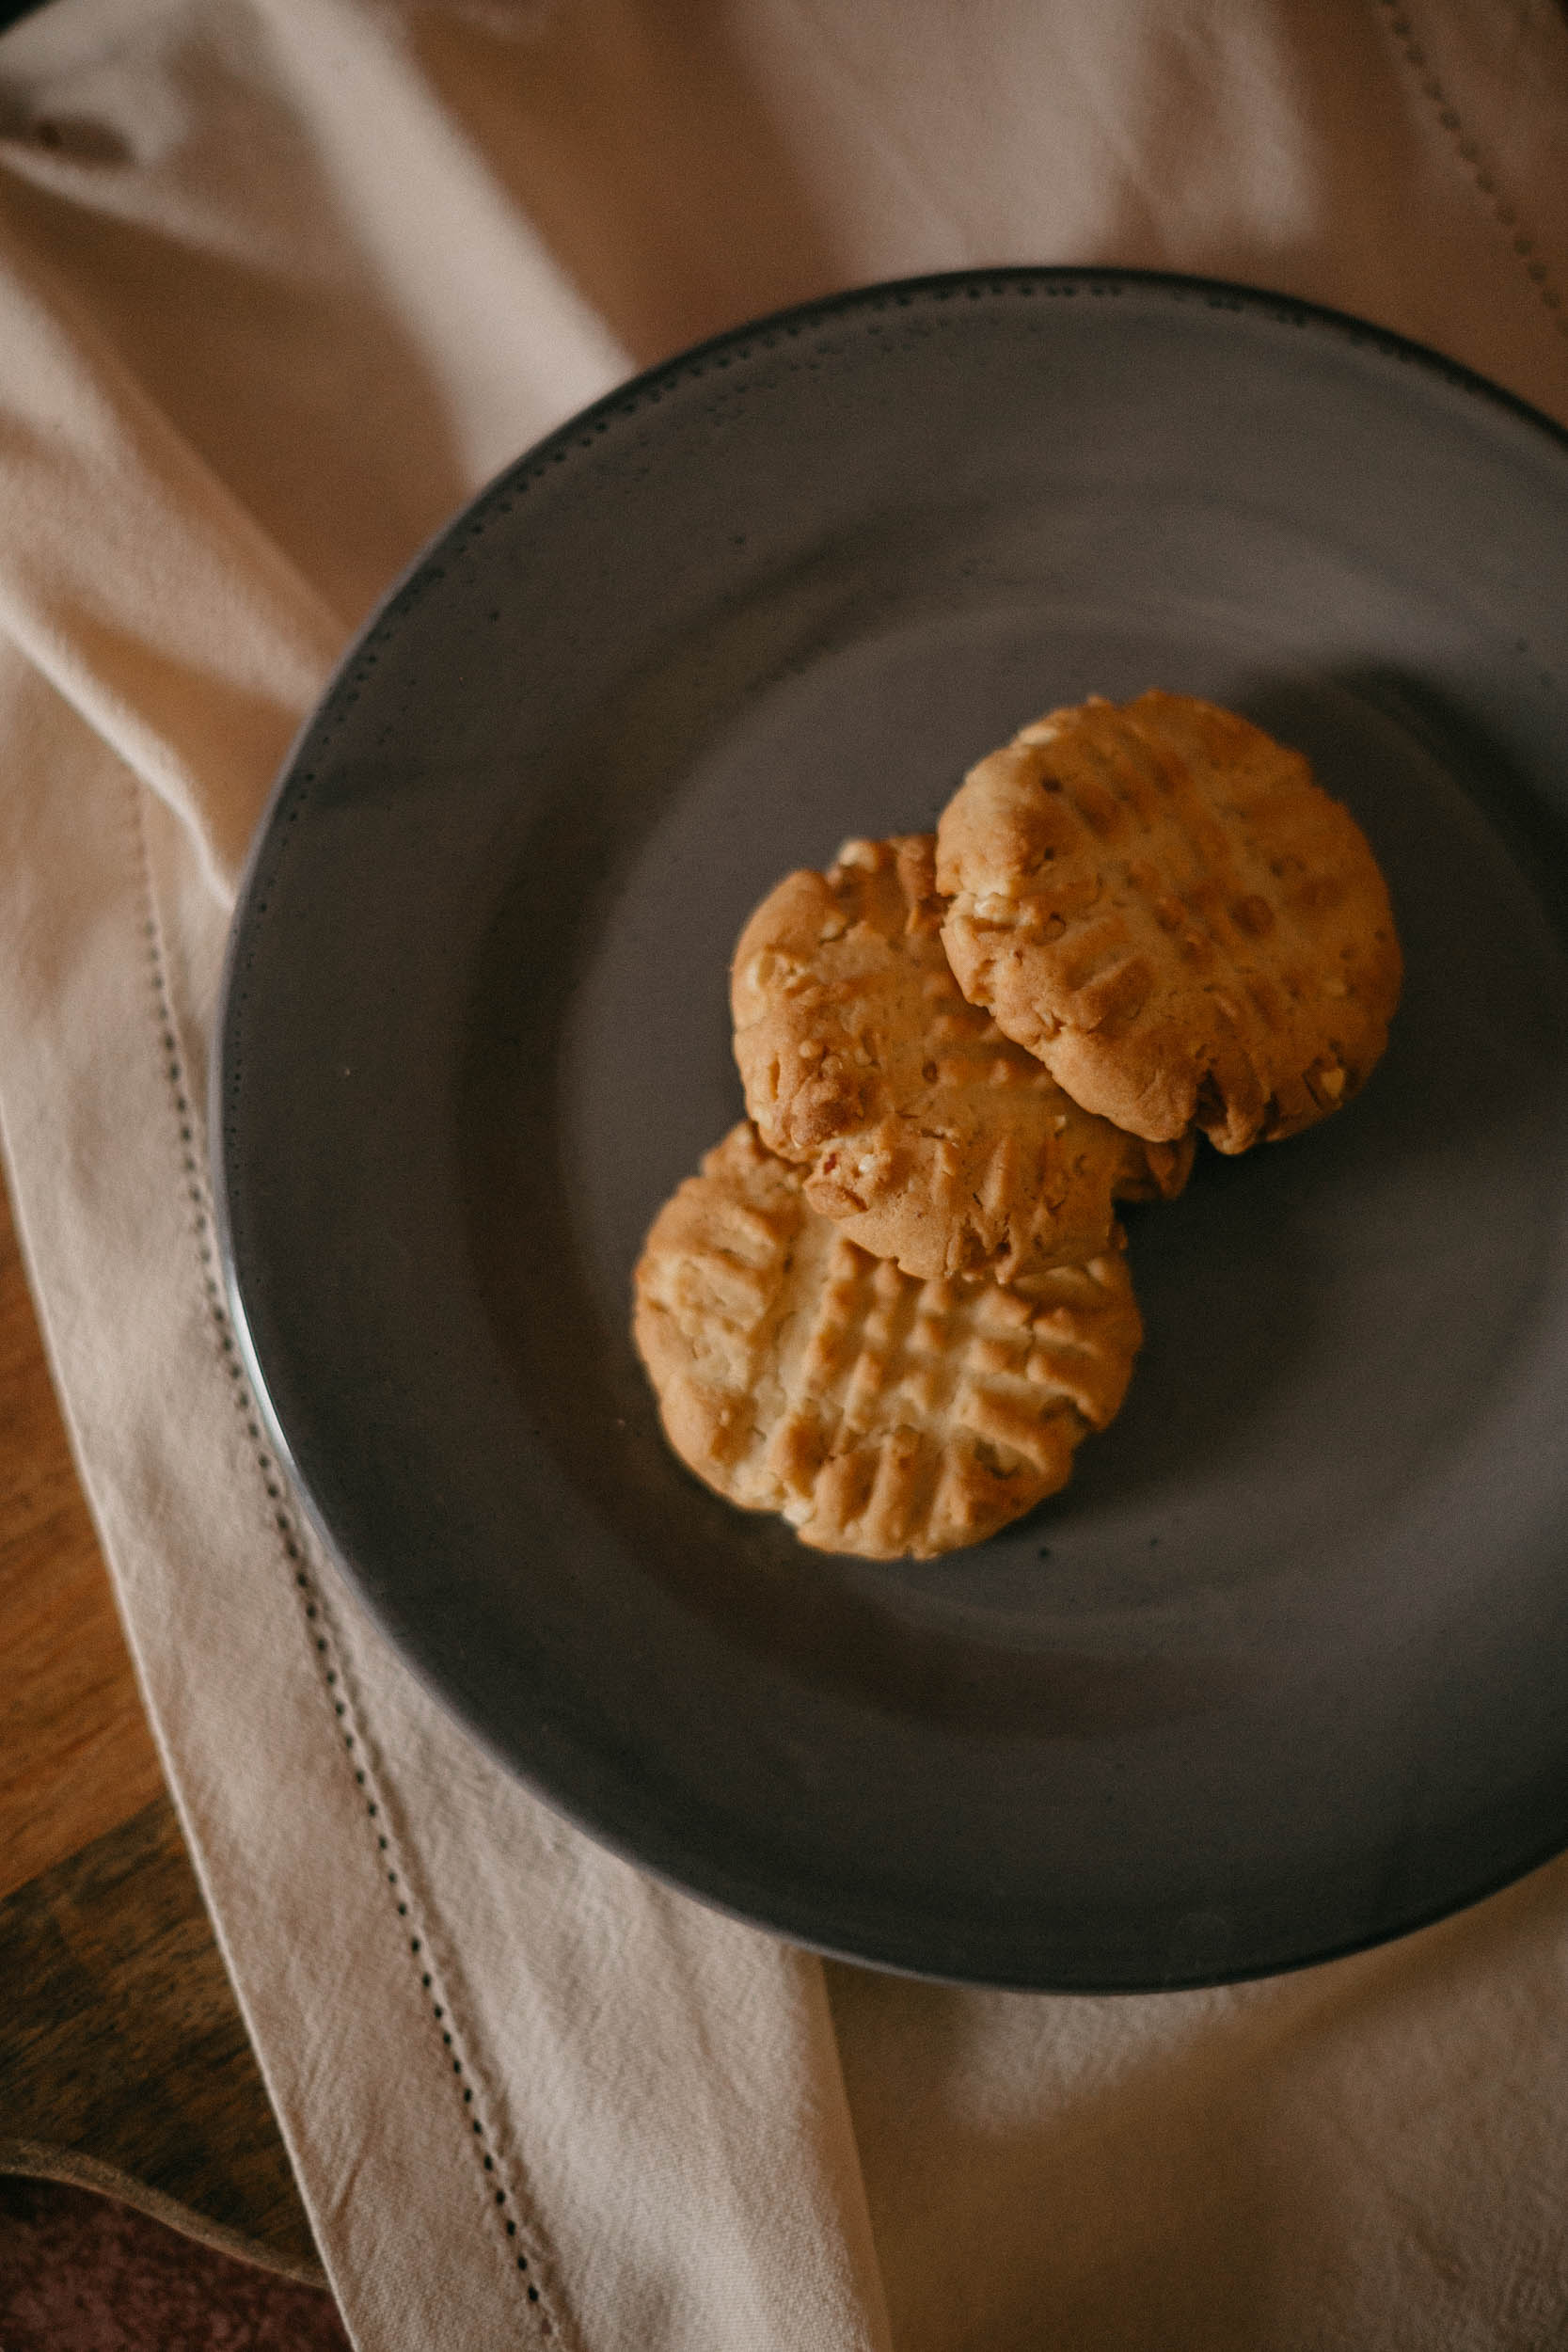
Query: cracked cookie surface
{"x": 882, "y": 1415}
{"x": 923, "y": 1132}
{"x": 1159, "y": 902}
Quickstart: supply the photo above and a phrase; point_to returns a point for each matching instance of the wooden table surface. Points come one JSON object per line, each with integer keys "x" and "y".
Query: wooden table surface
{"x": 124, "y": 2063}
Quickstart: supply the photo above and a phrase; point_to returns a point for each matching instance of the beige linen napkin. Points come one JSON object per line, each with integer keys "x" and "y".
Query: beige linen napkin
{"x": 280, "y": 282}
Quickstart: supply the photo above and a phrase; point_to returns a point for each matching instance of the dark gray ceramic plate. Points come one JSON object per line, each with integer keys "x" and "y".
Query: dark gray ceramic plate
{"x": 1282, "y": 1670}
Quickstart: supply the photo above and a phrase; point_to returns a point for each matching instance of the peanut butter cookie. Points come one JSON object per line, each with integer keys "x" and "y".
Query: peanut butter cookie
{"x": 1159, "y": 902}
{"x": 925, "y": 1134}
{"x": 882, "y": 1415}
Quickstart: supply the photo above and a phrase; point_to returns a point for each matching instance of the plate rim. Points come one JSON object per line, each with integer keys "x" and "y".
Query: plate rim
{"x": 1179, "y": 287}
{"x": 621, "y": 402}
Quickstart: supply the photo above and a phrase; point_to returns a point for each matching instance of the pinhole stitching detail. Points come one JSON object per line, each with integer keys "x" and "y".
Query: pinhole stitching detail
{"x": 316, "y": 1616}
{"x": 1521, "y": 241}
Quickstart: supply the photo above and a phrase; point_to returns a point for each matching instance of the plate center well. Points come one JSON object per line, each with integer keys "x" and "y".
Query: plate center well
{"x": 1331, "y": 1321}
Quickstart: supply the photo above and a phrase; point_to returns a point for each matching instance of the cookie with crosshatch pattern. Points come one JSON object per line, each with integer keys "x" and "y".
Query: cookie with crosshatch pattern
{"x": 879, "y": 1414}
{"x": 923, "y": 1133}
{"x": 1160, "y": 901}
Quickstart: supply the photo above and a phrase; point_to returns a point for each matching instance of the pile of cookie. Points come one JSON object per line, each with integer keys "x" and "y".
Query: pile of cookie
{"x": 896, "y": 1296}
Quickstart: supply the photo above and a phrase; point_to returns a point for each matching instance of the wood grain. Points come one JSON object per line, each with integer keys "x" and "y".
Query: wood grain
{"x": 122, "y": 2053}
{"x": 76, "y": 1756}
{"x": 125, "y": 2044}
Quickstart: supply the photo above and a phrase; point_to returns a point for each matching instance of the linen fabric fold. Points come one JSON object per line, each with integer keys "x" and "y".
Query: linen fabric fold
{"x": 281, "y": 282}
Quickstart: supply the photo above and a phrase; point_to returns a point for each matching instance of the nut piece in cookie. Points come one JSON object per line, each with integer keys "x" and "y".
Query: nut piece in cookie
{"x": 879, "y": 1414}
{"x": 923, "y": 1133}
{"x": 1159, "y": 902}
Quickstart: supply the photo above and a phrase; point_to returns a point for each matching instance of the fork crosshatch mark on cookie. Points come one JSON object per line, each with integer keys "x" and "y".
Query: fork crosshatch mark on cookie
{"x": 880, "y": 1414}
{"x": 923, "y": 1133}
{"x": 1159, "y": 902}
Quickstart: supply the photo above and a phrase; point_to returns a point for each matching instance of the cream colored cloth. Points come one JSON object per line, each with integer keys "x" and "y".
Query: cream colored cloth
{"x": 280, "y": 282}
